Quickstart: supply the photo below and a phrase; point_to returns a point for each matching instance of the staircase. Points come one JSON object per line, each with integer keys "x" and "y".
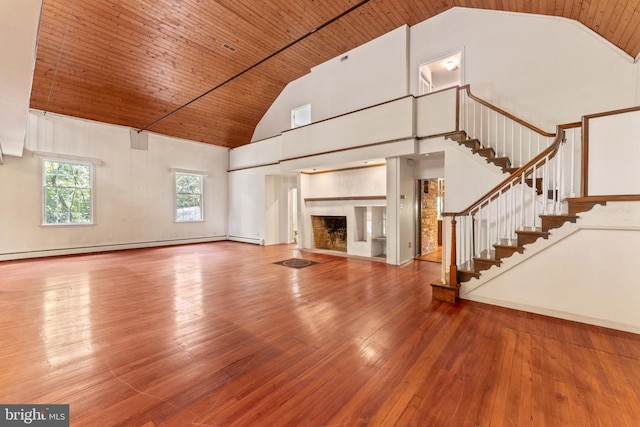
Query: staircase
{"x": 474, "y": 145}
{"x": 536, "y": 197}
{"x": 507, "y": 247}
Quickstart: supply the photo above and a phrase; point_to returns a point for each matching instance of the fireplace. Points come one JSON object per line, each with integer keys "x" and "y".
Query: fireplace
{"x": 329, "y": 232}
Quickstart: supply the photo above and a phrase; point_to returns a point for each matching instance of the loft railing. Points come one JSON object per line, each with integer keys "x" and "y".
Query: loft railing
{"x": 508, "y": 135}
{"x": 539, "y": 187}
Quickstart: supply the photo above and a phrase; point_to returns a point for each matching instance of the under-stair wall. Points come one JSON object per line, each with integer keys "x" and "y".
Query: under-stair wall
{"x": 572, "y": 257}
{"x": 585, "y": 271}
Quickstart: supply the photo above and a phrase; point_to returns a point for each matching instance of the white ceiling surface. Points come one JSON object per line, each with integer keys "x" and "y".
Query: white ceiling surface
{"x": 18, "y": 34}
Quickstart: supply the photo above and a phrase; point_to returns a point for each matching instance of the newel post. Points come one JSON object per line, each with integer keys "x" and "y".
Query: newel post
{"x": 453, "y": 267}
{"x": 443, "y": 291}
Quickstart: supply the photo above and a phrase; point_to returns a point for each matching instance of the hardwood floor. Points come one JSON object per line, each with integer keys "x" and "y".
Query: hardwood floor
{"x": 217, "y": 335}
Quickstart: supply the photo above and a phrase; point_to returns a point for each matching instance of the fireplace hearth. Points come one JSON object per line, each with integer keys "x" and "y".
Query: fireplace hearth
{"x": 329, "y": 232}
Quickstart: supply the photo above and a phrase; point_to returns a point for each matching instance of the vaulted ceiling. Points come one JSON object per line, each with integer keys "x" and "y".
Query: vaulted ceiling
{"x": 208, "y": 70}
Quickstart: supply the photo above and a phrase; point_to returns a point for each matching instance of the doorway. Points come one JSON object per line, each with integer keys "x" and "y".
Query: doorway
{"x": 293, "y": 215}
{"x": 441, "y": 73}
{"x": 431, "y": 203}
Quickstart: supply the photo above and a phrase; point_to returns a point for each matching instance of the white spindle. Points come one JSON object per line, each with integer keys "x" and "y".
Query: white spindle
{"x": 504, "y": 136}
{"x": 545, "y": 186}
{"x": 462, "y": 226}
{"x": 520, "y": 158}
{"x": 482, "y": 140}
{"x": 522, "y": 185}
{"x": 572, "y": 192}
{"x": 510, "y": 209}
{"x": 488, "y": 243}
{"x": 497, "y": 141}
{"x": 557, "y": 192}
{"x": 513, "y": 138}
{"x": 476, "y": 234}
{"x": 561, "y": 193}
{"x": 529, "y": 157}
{"x": 474, "y": 119}
{"x": 534, "y": 193}
{"x": 471, "y": 242}
{"x": 498, "y": 222}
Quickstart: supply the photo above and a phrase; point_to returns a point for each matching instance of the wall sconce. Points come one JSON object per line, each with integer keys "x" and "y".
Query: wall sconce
{"x": 450, "y": 65}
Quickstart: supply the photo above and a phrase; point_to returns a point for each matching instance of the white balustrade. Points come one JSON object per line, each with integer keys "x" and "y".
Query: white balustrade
{"x": 518, "y": 203}
{"x": 494, "y": 129}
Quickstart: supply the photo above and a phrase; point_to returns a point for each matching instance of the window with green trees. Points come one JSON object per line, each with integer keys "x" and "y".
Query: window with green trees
{"x": 67, "y": 192}
{"x": 188, "y": 197}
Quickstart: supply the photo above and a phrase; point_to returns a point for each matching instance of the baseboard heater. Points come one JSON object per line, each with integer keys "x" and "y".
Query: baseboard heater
{"x": 253, "y": 240}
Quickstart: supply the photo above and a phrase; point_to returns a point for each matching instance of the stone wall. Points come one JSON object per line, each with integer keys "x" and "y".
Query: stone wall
{"x": 429, "y": 216}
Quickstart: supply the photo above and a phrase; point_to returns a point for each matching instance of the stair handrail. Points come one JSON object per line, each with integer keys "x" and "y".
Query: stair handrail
{"x": 507, "y": 135}
{"x": 517, "y": 174}
{"x": 520, "y": 174}
{"x": 467, "y": 89}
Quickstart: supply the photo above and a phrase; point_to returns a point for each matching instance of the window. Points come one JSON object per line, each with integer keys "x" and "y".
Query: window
{"x": 67, "y": 194}
{"x": 301, "y": 116}
{"x": 188, "y": 197}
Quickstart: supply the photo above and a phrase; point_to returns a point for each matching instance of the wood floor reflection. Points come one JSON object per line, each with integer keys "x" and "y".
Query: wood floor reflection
{"x": 218, "y": 335}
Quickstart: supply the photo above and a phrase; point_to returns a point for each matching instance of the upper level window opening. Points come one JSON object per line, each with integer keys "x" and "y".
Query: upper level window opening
{"x": 301, "y": 116}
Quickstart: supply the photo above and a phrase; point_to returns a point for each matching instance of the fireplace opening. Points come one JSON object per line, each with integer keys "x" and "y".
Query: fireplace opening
{"x": 329, "y": 232}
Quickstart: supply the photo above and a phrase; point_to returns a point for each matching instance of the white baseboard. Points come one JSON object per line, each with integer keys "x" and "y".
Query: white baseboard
{"x": 105, "y": 248}
{"x": 605, "y": 323}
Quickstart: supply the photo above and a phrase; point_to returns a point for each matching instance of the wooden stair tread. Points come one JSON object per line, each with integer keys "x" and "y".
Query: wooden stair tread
{"x": 528, "y": 236}
{"x": 486, "y": 152}
{"x": 529, "y": 230}
{"x": 457, "y": 136}
{"x": 583, "y": 204}
{"x": 506, "y": 243}
{"x": 467, "y": 271}
{"x": 472, "y": 144}
{"x": 502, "y": 162}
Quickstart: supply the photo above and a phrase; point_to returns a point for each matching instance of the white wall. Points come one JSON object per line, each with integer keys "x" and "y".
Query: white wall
{"x": 637, "y": 71}
{"x": 370, "y": 181}
{"x": 436, "y": 113}
{"x": 278, "y": 116}
{"x": 277, "y": 215}
{"x": 406, "y": 211}
{"x": 19, "y": 22}
{"x": 546, "y": 70}
{"x": 467, "y": 176}
{"x": 614, "y": 140}
{"x": 373, "y": 73}
{"x": 267, "y": 151}
{"x": 386, "y": 122}
{"x": 133, "y": 190}
{"x": 247, "y": 203}
{"x": 590, "y": 275}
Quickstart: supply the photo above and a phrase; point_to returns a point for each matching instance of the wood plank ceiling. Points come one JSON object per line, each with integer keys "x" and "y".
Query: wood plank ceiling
{"x": 132, "y": 62}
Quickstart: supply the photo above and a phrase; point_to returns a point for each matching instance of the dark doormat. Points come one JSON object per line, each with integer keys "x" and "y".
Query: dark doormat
{"x": 296, "y": 263}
